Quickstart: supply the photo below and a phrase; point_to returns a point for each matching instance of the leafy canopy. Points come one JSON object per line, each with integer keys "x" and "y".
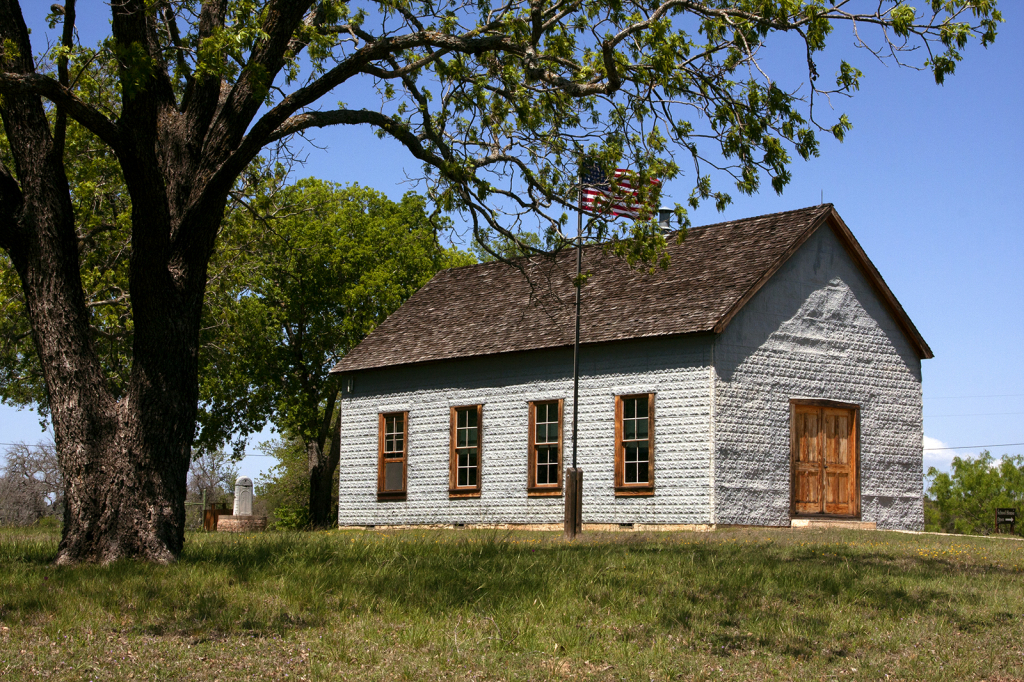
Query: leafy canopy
{"x": 320, "y": 266}
{"x": 499, "y": 102}
{"x": 103, "y": 212}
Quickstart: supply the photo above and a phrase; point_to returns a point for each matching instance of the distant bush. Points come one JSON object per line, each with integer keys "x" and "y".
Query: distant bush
{"x": 290, "y": 517}
{"x": 285, "y": 488}
{"x": 966, "y": 500}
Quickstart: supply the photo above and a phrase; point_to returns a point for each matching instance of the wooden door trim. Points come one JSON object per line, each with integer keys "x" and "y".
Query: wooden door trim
{"x": 824, "y": 403}
{"x": 820, "y": 402}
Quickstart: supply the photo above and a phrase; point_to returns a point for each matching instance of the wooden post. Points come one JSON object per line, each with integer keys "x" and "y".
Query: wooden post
{"x": 579, "y": 501}
{"x": 573, "y": 525}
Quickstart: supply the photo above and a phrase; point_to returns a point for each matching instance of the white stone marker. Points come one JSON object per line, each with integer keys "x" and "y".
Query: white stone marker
{"x": 243, "y": 497}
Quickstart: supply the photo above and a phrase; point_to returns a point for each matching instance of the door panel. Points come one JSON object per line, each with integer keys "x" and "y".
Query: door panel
{"x": 825, "y": 461}
{"x": 840, "y": 468}
{"x": 807, "y": 463}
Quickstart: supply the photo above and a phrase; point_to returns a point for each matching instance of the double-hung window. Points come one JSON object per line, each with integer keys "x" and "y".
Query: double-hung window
{"x": 634, "y": 444}
{"x": 392, "y": 459}
{"x": 464, "y": 475}
{"x": 544, "y": 475}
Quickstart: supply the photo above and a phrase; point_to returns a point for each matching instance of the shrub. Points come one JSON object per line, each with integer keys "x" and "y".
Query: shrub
{"x": 966, "y": 500}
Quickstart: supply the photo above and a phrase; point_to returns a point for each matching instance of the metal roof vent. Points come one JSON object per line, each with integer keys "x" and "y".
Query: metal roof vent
{"x": 665, "y": 219}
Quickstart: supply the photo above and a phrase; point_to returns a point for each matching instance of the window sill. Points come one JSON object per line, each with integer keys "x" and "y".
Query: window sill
{"x": 634, "y": 491}
{"x": 458, "y": 493}
{"x": 543, "y": 492}
{"x": 391, "y": 497}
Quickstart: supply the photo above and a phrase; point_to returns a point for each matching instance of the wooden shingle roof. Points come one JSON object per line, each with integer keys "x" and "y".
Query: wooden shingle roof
{"x": 493, "y": 308}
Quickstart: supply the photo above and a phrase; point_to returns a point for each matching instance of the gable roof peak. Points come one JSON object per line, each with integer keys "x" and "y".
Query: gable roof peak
{"x": 492, "y": 308}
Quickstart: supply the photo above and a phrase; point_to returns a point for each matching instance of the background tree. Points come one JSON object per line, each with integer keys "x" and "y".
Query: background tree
{"x": 211, "y": 479}
{"x": 506, "y": 248}
{"x": 321, "y": 266}
{"x": 31, "y": 486}
{"x": 211, "y": 476}
{"x": 498, "y": 102}
{"x": 966, "y": 500}
{"x": 285, "y": 488}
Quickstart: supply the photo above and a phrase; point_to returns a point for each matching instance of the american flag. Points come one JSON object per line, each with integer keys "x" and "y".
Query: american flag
{"x": 598, "y": 196}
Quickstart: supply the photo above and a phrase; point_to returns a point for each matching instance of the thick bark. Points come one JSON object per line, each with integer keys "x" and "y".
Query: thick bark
{"x": 124, "y": 461}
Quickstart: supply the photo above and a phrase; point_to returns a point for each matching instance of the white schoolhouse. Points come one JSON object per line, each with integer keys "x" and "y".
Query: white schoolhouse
{"x": 767, "y": 377}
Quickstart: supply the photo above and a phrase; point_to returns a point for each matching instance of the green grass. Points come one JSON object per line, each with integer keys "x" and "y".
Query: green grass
{"x": 492, "y": 605}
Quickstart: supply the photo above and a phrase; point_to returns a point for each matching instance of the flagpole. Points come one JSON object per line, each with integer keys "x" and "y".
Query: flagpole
{"x": 573, "y": 523}
{"x": 576, "y": 342}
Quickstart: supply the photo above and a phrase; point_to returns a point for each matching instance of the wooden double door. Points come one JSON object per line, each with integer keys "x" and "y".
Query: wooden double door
{"x": 825, "y": 480}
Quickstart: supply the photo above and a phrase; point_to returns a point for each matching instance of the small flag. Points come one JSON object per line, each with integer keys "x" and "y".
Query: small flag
{"x": 598, "y": 196}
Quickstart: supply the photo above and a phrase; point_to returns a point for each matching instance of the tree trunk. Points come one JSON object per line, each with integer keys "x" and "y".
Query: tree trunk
{"x": 321, "y": 483}
{"x": 124, "y": 457}
{"x": 124, "y": 460}
{"x": 322, "y": 465}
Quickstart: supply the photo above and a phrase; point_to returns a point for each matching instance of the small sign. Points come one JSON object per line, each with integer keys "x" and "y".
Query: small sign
{"x": 1006, "y": 515}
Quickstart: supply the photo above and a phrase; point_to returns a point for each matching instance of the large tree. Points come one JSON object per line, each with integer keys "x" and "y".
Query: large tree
{"x": 498, "y": 103}
{"x": 320, "y": 266}
{"x": 301, "y": 274}
{"x": 102, "y": 209}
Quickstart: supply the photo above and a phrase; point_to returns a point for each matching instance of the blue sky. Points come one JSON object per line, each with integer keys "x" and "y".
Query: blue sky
{"x": 928, "y": 180}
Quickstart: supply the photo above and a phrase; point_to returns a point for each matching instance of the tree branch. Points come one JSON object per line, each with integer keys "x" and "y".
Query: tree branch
{"x": 202, "y": 95}
{"x": 174, "y": 37}
{"x": 321, "y": 119}
{"x": 83, "y": 112}
{"x": 281, "y": 19}
{"x": 267, "y": 128}
{"x": 60, "y": 127}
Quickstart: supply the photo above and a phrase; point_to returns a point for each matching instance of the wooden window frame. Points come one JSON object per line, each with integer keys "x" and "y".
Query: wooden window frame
{"x": 623, "y": 489}
{"x": 836, "y": 404}
{"x": 548, "y": 489}
{"x": 454, "y": 490}
{"x": 384, "y": 458}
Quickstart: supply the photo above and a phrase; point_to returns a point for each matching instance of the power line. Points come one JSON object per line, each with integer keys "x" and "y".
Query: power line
{"x": 976, "y": 414}
{"x": 952, "y": 397}
{"x": 969, "y": 447}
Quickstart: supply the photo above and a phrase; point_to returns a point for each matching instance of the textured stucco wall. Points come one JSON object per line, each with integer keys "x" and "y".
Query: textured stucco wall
{"x": 816, "y": 330}
{"x": 677, "y": 370}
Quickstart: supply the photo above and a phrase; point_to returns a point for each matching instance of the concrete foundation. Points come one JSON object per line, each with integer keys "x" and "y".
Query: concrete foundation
{"x": 241, "y": 524}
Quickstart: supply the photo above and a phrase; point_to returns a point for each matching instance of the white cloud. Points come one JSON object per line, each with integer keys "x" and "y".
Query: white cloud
{"x": 935, "y": 456}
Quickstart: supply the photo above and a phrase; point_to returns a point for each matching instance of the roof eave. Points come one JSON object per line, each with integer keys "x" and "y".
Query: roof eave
{"x": 338, "y": 369}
